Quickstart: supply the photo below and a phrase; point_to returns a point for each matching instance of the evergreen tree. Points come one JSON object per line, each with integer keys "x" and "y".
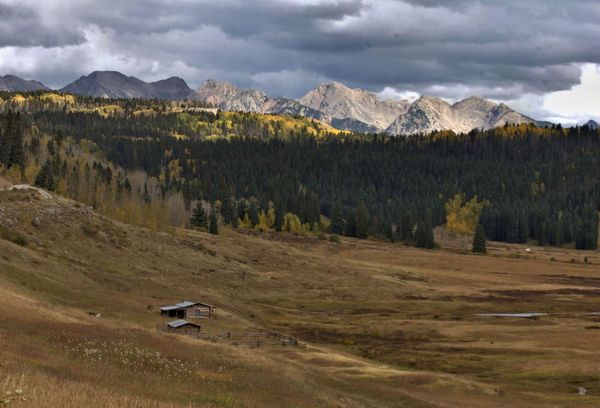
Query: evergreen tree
{"x": 406, "y": 229}
{"x": 228, "y": 212}
{"x": 362, "y": 222}
{"x": 11, "y": 141}
{"x": 214, "y": 223}
{"x": 253, "y": 212}
{"x": 479, "y": 245}
{"x": 17, "y": 155}
{"x": 350, "y": 229}
{"x": 199, "y": 219}
{"x": 337, "y": 220}
{"x": 45, "y": 178}
{"x": 279, "y": 215}
{"x": 4, "y": 149}
{"x": 424, "y": 235}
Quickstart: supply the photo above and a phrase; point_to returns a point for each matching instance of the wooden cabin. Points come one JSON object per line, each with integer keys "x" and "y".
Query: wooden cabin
{"x": 183, "y": 326}
{"x": 189, "y": 310}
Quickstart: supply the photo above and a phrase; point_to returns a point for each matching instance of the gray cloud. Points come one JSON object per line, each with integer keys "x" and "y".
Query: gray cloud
{"x": 495, "y": 49}
{"x": 22, "y": 26}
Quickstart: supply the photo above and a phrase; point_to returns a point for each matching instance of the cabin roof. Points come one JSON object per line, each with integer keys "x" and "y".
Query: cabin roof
{"x": 183, "y": 305}
{"x": 186, "y": 303}
{"x": 179, "y": 323}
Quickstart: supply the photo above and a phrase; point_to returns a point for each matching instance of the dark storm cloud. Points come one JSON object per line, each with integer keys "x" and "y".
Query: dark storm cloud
{"x": 22, "y": 26}
{"x": 499, "y": 49}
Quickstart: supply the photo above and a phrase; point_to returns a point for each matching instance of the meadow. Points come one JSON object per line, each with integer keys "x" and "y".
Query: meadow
{"x": 385, "y": 324}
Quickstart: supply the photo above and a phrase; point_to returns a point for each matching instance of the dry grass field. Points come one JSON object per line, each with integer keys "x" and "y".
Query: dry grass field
{"x": 386, "y": 325}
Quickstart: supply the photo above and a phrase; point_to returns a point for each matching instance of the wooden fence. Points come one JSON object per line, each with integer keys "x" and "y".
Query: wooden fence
{"x": 245, "y": 338}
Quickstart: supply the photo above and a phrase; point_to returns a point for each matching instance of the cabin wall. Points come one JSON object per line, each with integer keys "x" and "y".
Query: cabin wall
{"x": 199, "y": 312}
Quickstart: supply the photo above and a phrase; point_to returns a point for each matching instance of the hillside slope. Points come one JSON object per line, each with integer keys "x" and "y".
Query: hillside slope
{"x": 428, "y": 114}
{"x": 345, "y": 105}
{"x": 386, "y": 325}
{"x": 12, "y": 83}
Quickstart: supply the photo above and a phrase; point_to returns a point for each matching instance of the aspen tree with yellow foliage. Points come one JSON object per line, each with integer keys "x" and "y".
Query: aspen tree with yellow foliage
{"x": 463, "y": 216}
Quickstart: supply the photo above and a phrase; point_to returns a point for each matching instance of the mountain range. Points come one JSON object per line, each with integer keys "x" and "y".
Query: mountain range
{"x": 112, "y": 84}
{"x": 342, "y": 107}
{"x": 362, "y": 111}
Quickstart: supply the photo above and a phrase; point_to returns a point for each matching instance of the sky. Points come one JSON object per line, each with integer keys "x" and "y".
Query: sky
{"x": 539, "y": 56}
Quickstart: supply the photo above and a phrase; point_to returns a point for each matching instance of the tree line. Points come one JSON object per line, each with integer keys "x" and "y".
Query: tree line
{"x": 529, "y": 183}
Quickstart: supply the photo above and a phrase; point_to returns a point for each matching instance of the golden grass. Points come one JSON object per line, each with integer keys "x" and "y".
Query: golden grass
{"x": 386, "y": 325}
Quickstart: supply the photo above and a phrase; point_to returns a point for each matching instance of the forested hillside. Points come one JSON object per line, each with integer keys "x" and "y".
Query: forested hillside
{"x": 275, "y": 172}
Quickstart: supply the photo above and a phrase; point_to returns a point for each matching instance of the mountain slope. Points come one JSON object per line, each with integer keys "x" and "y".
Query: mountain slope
{"x": 171, "y": 88}
{"x": 228, "y": 97}
{"x": 592, "y": 124}
{"x": 353, "y": 108}
{"x": 112, "y": 84}
{"x": 12, "y": 83}
{"x": 428, "y": 114}
{"x": 359, "y": 110}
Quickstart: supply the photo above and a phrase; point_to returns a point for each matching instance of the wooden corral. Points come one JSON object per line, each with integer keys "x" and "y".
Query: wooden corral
{"x": 189, "y": 310}
{"x": 245, "y": 338}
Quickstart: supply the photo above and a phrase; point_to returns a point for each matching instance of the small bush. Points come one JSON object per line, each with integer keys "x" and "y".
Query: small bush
{"x": 13, "y": 236}
{"x": 334, "y": 238}
{"x": 89, "y": 230}
{"x": 322, "y": 236}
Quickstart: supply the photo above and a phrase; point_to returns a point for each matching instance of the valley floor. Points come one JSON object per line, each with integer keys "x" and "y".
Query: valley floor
{"x": 386, "y": 325}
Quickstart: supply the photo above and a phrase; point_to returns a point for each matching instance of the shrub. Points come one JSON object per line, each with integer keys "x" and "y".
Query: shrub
{"x": 322, "y": 236}
{"x": 13, "y": 236}
{"x": 334, "y": 238}
{"x": 89, "y": 229}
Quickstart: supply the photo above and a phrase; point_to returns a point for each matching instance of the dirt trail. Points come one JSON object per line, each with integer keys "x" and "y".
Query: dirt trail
{"x": 43, "y": 193}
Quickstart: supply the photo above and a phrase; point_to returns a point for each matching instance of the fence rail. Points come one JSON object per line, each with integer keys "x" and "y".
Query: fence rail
{"x": 252, "y": 339}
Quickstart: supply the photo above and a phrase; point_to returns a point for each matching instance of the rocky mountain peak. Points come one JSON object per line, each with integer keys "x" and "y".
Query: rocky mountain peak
{"x": 428, "y": 114}
{"x": 13, "y": 83}
{"x": 348, "y": 106}
{"x": 113, "y": 84}
{"x": 342, "y": 107}
{"x": 227, "y": 96}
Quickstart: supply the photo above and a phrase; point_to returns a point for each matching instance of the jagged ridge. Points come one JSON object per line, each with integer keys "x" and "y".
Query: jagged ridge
{"x": 112, "y": 84}
{"x": 342, "y": 107}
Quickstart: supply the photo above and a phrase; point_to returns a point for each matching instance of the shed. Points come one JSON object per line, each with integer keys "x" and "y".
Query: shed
{"x": 184, "y": 326}
{"x": 189, "y": 309}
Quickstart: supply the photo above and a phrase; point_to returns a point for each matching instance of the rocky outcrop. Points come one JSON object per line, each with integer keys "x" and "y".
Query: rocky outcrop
{"x": 428, "y": 114}
{"x": 353, "y": 109}
{"x": 227, "y": 96}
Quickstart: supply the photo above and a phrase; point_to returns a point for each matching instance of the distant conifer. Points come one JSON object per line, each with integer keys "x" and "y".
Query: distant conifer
{"x": 199, "y": 218}
{"x": 337, "y": 220}
{"x": 214, "y": 223}
{"x": 479, "y": 245}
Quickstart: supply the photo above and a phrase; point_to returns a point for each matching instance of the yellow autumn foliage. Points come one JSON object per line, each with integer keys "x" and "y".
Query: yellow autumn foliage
{"x": 463, "y": 216}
